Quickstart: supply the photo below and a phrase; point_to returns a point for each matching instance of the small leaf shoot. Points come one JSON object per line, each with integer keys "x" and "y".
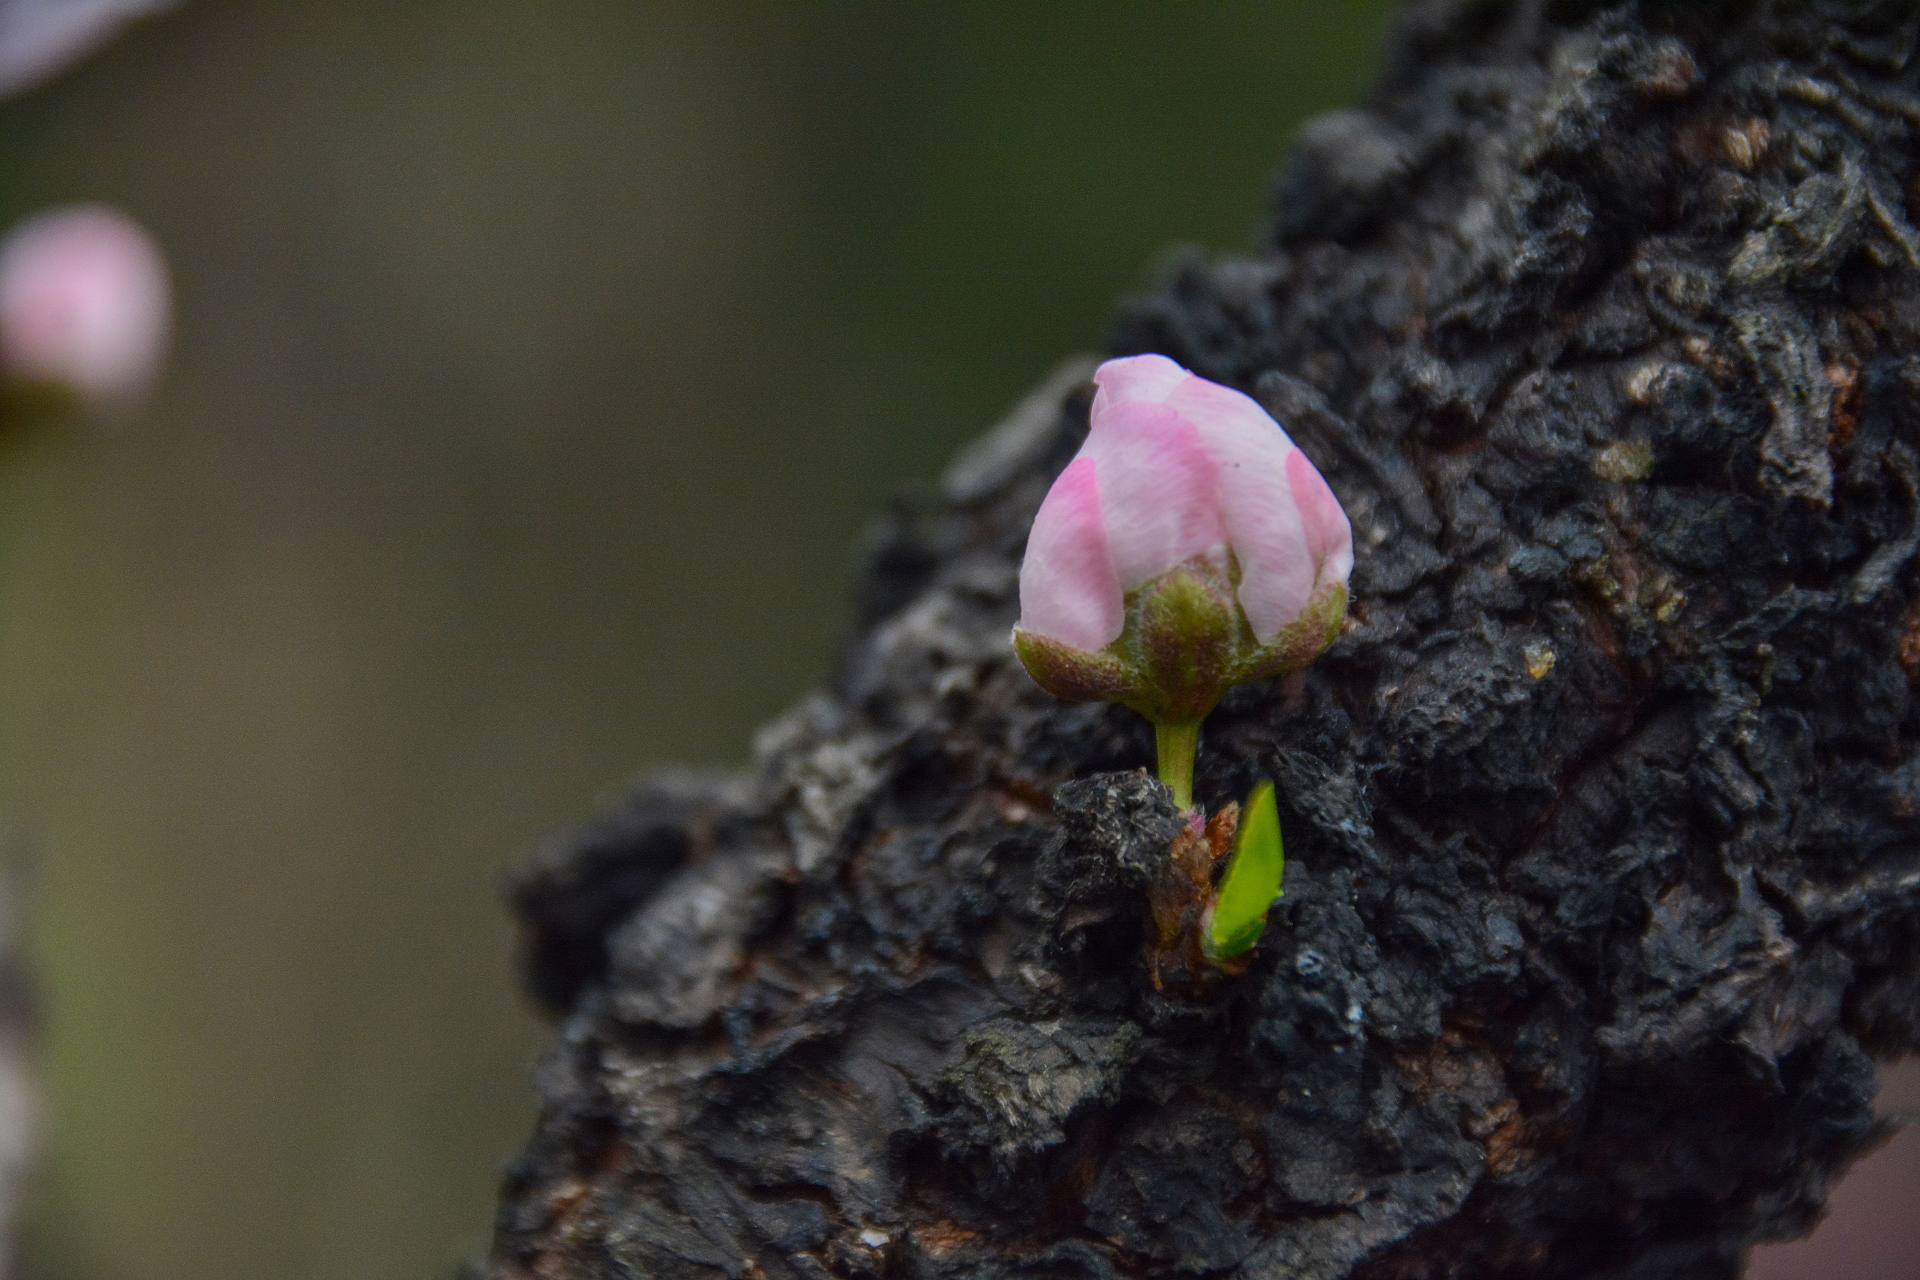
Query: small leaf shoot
{"x": 1252, "y": 883}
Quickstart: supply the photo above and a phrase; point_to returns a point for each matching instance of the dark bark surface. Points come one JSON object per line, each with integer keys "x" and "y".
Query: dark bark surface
{"x": 1603, "y": 815}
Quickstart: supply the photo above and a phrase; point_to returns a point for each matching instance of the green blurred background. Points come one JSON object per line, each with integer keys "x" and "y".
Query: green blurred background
{"x": 538, "y": 365}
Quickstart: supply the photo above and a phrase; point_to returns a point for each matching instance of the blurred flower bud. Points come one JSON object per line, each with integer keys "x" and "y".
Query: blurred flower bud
{"x": 1189, "y": 547}
{"x": 84, "y": 306}
{"x": 39, "y": 38}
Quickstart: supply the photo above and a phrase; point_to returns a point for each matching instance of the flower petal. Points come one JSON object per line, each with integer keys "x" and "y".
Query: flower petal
{"x": 1157, "y": 489}
{"x": 1068, "y": 591}
{"x": 1328, "y": 531}
{"x": 1149, "y": 378}
{"x": 1263, "y": 521}
{"x": 1218, "y": 410}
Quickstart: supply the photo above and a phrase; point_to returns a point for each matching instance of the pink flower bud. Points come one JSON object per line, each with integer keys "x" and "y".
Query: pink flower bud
{"x": 1188, "y": 547}
{"x": 84, "y": 304}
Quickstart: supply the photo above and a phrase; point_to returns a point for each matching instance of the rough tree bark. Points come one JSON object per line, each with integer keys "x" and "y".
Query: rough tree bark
{"x": 1603, "y": 815}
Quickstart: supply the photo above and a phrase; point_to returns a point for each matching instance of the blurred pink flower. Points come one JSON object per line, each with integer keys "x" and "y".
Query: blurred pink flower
{"x": 84, "y": 305}
{"x": 1177, "y": 470}
{"x": 39, "y": 38}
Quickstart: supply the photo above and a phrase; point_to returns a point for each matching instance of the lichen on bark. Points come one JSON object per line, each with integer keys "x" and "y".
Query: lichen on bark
{"x": 1603, "y": 815}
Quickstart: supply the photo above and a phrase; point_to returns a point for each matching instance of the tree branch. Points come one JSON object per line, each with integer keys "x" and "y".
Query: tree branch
{"x": 1601, "y": 817}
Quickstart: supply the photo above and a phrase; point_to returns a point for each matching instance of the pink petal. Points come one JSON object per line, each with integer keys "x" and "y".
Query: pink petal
{"x": 1220, "y": 410}
{"x": 1328, "y": 531}
{"x": 1187, "y": 466}
{"x": 1157, "y": 489}
{"x": 1148, "y": 378}
{"x": 1264, "y": 524}
{"x": 1068, "y": 590}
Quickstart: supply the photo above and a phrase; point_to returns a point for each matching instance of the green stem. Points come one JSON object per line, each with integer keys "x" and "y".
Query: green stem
{"x": 1176, "y": 744}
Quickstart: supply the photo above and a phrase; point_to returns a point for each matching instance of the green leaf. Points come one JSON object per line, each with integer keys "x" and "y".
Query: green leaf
{"x": 1252, "y": 883}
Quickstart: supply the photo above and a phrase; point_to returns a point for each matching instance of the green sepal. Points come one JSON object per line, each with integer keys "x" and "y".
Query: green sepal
{"x": 1252, "y": 883}
{"x": 1073, "y": 675}
{"x": 1184, "y": 642}
{"x": 1301, "y": 641}
{"x": 1181, "y": 627}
